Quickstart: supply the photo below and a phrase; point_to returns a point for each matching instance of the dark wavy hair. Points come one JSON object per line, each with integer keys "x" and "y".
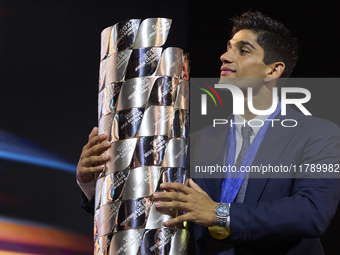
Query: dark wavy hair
{"x": 272, "y": 36}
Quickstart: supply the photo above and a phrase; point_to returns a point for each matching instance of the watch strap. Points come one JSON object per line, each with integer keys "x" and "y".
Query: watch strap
{"x": 223, "y": 220}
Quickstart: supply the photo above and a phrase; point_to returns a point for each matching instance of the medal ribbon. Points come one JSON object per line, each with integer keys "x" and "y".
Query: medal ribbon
{"x": 230, "y": 185}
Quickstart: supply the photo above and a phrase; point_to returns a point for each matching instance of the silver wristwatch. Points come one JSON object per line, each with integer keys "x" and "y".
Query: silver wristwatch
{"x": 223, "y": 215}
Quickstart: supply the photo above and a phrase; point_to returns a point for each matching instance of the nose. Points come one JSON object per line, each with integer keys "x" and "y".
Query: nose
{"x": 226, "y": 57}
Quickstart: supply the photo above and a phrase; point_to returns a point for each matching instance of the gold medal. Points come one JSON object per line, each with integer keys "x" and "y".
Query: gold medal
{"x": 218, "y": 232}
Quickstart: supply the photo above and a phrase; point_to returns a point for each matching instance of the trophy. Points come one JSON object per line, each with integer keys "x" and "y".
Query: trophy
{"x": 143, "y": 107}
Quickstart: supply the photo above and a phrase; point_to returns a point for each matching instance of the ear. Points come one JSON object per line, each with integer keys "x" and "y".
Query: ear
{"x": 274, "y": 71}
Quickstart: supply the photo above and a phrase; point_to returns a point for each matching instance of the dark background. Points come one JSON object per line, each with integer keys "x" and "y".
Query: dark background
{"x": 49, "y": 61}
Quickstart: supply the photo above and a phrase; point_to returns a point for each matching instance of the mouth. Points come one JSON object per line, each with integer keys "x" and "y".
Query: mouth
{"x": 225, "y": 70}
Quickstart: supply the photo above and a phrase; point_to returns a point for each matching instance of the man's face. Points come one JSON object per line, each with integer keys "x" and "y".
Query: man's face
{"x": 243, "y": 59}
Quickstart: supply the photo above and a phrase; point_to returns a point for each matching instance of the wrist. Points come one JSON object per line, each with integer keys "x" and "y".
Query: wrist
{"x": 214, "y": 218}
{"x": 222, "y": 212}
{"x": 88, "y": 188}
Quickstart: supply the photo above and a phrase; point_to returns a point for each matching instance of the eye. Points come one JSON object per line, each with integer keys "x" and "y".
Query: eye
{"x": 244, "y": 51}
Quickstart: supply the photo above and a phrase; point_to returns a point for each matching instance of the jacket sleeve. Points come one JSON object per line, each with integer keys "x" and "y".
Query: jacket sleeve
{"x": 304, "y": 205}
{"x": 86, "y": 204}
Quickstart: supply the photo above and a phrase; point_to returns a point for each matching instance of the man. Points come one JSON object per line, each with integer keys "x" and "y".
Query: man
{"x": 267, "y": 215}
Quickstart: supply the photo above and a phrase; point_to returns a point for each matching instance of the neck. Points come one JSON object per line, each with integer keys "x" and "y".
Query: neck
{"x": 259, "y": 103}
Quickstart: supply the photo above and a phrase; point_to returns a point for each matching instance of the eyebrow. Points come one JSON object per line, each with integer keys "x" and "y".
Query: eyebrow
{"x": 241, "y": 43}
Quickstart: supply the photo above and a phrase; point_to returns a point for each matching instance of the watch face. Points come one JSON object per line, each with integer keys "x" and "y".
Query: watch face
{"x": 222, "y": 210}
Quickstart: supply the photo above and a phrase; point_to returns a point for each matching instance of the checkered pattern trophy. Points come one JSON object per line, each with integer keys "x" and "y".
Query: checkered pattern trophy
{"x": 143, "y": 107}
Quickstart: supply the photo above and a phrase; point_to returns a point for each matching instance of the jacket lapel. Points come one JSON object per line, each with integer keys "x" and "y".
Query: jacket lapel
{"x": 270, "y": 150}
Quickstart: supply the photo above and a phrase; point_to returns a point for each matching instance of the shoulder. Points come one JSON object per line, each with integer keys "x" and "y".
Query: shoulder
{"x": 320, "y": 127}
{"x": 314, "y": 125}
{"x": 318, "y": 140}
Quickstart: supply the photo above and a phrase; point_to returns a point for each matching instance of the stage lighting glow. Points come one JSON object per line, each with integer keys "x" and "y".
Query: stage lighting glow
{"x": 19, "y": 237}
{"x": 37, "y": 161}
{"x": 21, "y": 150}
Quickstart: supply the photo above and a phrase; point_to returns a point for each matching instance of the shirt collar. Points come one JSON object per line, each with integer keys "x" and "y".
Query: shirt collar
{"x": 241, "y": 120}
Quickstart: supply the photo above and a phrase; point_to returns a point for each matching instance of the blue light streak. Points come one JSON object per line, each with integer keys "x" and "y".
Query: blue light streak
{"x": 18, "y": 149}
{"x": 37, "y": 161}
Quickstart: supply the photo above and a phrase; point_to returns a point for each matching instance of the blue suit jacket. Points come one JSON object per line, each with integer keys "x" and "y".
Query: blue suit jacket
{"x": 279, "y": 215}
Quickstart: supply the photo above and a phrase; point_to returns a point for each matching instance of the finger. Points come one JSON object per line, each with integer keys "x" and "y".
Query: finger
{"x": 171, "y": 205}
{"x": 91, "y": 170}
{"x": 169, "y": 190}
{"x": 162, "y": 199}
{"x": 93, "y": 133}
{"x": 175, "y": 221}
{"x": 176, "y": 186}
{"x": 170, "y": 196}
{"x": 94, "y": 138}
{"x": 88, "y": 174}
{"x": 96, "y": 149}
{"x": 93, "y": 160}
{"x": 167, "y": 211}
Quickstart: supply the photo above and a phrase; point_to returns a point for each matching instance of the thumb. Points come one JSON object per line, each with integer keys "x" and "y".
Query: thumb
{"x": 93, "y": 133}
{"x": 195, "y": 186}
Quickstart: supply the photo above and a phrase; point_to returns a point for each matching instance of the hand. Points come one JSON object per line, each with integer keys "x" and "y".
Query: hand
{"x": 197, "y": 205}
{"x": 90, "y": 163}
